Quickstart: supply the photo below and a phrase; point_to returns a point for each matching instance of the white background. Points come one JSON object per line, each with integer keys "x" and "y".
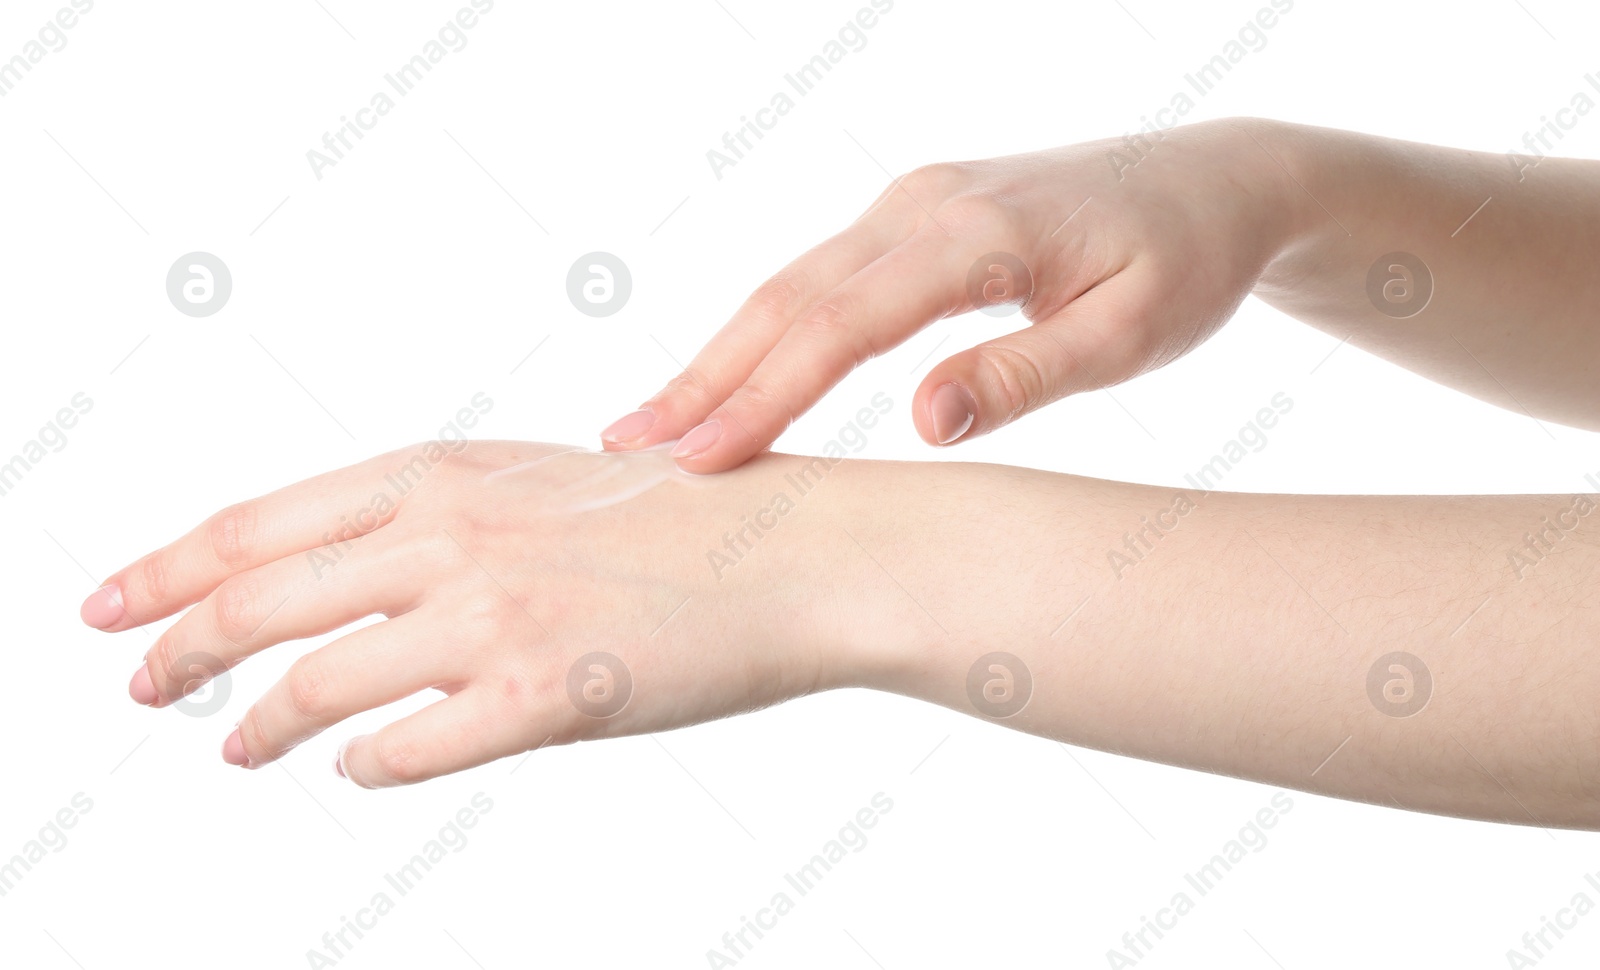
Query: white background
{"x": 407, "y": 279}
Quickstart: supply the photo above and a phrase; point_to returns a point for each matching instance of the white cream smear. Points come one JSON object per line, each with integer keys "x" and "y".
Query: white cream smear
{"x": 581, "y": 480}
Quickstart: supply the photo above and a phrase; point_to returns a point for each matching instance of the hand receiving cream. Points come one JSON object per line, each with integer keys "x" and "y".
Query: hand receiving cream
{"x": 581, "y": 480}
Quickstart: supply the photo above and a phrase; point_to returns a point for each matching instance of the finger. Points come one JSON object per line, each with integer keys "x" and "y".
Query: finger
{"x": 873, "y": 311}
{"x": 292, "y": 598}
{"x": 466, "y": 729}
{"x": 734, "y": 352}
{"x": 327, "y": 509}
{"x": 366, "y": 669}
{"x": 1097, "y": 340}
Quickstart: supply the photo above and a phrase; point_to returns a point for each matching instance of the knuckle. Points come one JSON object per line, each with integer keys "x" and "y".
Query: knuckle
{"x": 199, "y": 670}
{"x": 258, "y": 744}
{"x": 970, "y": 212}
{"x": 778, "y": 298}
{"x": 762, "y": 400}
{"x": 396, "y": 760}
{"x": 534, "y": 692}
{"x": 836, "y": 321}
{"x": 1015, "y": 377}
{"x": 444, "y": 548}
{"x": 232, "y": 533}
{"x": 155, "y": 575}
{"x": 162, "y": 661}
{"x": 238, "y": 608}
{"x": 564, "y": 725}
{"x": 306, "y": 688}
{"x": 413, "y": 469}
{"x": 489, "y": 616}
{"x": 689, "y": 385}
{"x": 830, "y": 319}
{"x": 928, "y": 179}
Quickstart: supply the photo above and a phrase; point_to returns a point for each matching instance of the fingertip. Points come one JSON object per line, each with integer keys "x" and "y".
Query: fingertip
{"x": 346, "y": 765}
{"x": 142, "y": 689}
{"x": 699, "y": 440}
{"x": 702, "y": 467}
{"x": 233, "y": 750}
{"x": 952, "y": 412}
{"x": 628, "y": 431}
{"x": 717, "y": 449}
{"x": 945, "y": 408}
{"x": 103, "y": 608}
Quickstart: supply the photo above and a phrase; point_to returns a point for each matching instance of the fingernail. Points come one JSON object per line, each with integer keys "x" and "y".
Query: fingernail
{"x": 103, "y": 608}
{"x": 629, "y": 426}
{"x": 233, "y": 750}
{"x": 953, "y": 412}
{"x": 698, "y": 439}
{"x": 141, "y": 689}
{"x": 338, "y": 757}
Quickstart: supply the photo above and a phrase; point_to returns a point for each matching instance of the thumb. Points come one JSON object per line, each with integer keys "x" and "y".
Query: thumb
{"x": 1100, "y": 339}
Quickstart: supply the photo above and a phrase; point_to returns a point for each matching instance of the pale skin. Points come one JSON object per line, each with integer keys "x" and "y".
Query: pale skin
{"x": 1240, "y": 642}
{"x": 1155, "y": 261}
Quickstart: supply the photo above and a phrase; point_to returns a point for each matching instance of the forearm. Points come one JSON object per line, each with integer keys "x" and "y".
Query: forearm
{"x": 1508, "y": 241}
{"x": 1239, "y": 638}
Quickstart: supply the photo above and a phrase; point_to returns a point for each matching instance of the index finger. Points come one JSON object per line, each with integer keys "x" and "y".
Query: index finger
{"x": 877, "y": 309}
{"x": 729, "y": 358}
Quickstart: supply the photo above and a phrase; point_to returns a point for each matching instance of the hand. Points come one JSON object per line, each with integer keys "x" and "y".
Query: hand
{"x": 1129, "y": 254}
{"x": 494, "y": 587}
{"x": 942, "y": 581}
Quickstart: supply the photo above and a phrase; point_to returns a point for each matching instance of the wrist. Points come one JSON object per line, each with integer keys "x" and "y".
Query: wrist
{"x": 920, "y": 571}
{"x": 1295, "y": 225}
{"x": 862, "y": 569}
